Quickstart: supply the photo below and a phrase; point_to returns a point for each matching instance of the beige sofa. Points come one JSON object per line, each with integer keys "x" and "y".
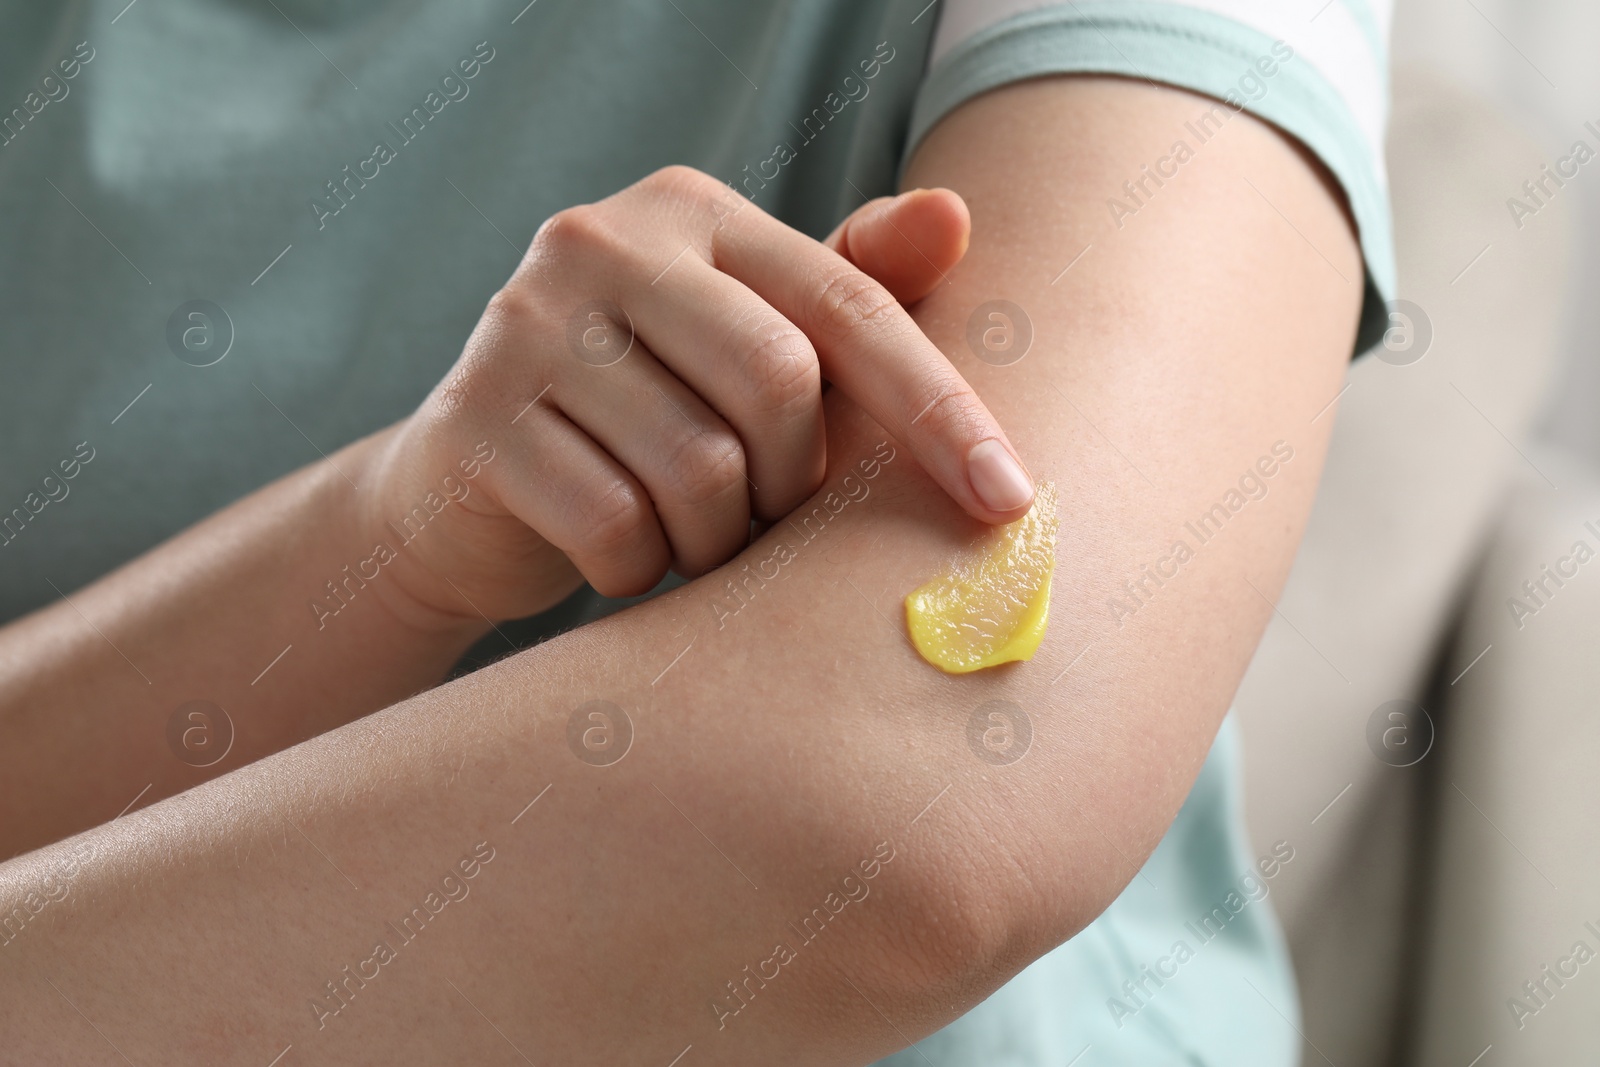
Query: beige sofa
{"x": 1424, "y": 898}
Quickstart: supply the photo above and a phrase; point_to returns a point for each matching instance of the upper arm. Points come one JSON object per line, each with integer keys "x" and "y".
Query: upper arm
{"x": 1175, "y": 358}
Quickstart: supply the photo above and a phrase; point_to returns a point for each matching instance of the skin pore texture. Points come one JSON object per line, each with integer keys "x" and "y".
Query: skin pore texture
{"x": 993, "y": 605}
{"x": 780, "y": 752}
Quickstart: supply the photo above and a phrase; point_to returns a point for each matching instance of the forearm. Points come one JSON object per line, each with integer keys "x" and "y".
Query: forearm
{"x": 776, "y": 745}
{"x": 235, "y": 621}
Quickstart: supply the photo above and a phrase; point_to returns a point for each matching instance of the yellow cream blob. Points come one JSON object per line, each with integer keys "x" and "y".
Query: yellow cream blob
{"x": 993, "y": 609}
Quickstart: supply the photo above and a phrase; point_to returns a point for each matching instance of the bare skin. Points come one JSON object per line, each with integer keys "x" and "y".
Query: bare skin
{"x": 782, "y": 747}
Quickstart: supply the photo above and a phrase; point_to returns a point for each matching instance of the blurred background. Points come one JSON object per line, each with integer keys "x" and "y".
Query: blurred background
{"x": 1421, "y": 720}
{"x": 1533, "y": 60}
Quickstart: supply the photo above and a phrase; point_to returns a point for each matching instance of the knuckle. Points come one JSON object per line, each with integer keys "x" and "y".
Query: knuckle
{"x": 780, "y": 369}
{"x": 681, "y": 181}
{"x": 573, "y": 232}
{"x": 704, "y": 466}
{"x": 509, "y": 310}
{"x": 690, "y": 202}
{"x": 851, "y": 300}
{"x": 612, "y": 514}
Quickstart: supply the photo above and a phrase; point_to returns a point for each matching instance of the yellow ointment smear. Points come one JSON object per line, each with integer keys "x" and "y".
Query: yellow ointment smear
{"x": 993, "y": 609}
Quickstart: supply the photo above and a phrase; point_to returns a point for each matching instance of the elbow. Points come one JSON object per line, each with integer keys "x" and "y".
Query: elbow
{"x": 974, "y": 896}
{"x": 955, "y": 924}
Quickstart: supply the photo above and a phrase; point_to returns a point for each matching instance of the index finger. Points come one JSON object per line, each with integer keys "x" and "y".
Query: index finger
{"x": 871, "y": 348}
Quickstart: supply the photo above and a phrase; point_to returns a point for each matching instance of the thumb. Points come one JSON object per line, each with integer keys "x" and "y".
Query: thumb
{"x": 908, "y": 242}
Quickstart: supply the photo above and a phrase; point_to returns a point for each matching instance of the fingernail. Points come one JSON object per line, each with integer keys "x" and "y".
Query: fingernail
{"x": 999, "y": 480}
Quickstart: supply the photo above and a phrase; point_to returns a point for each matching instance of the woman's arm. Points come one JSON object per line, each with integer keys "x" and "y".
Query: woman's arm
{"x": 207, "y": 653}
{"x": 801, "y": 858}
{"x": 358, "y": 581}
